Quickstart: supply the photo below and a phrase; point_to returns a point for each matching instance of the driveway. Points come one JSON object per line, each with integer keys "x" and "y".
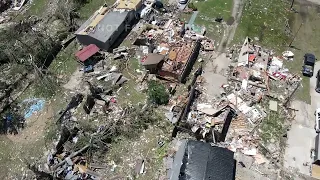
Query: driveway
{"x": 215, "y": 73}
{"x": 301, "y": 137}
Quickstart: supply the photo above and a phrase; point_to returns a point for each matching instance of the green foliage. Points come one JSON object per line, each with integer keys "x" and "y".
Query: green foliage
{"x": 46, "y": 87}
{"x": 51, "y": 133}
{"x": 135, "y": 120}
{"x": 80, "y": 2}
{"x": 157, "y": 93}
{"x": 272, "y": 126}
{"x": 19, "y": 43}
{"x": 192, "y": 6}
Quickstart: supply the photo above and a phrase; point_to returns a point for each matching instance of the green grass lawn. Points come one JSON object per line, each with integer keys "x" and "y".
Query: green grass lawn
{"x": 88, "y": 9}
{"x": 129, "y": 92}
{"x": 214, "y": 8}
{"x": 265, "y": 20}
{"x": 65, "y": 63}
{"x": 37, "y": 7}
{"x": 208, "y": 11}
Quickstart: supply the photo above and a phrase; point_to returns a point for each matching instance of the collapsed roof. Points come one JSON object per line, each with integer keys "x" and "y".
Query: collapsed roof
{"x": 196, "y": 160}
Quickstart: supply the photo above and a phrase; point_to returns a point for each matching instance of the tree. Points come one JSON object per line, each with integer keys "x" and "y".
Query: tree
{"x": 157, "y": 93}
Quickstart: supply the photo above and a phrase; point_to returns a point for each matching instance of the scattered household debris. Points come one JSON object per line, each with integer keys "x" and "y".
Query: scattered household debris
{"x": 258, "y": 84}
{"x": 288, "y": 55}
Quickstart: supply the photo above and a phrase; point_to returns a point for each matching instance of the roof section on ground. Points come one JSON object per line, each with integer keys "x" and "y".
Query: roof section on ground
{"x": 201, "y": 161}
{"x": 152, "y": 58}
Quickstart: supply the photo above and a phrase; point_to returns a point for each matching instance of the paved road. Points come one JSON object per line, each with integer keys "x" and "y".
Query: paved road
{"x": 193, "y": 17}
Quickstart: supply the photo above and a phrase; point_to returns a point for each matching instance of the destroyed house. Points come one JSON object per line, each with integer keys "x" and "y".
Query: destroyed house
{"x": 196, "y": 160}
{"x": 104, "y": 27}
{"x": 180, "y": 61}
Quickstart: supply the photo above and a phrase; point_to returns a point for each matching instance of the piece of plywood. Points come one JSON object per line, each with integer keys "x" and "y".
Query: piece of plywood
{"x": 273, "y": 106}
{"x": 315, "y": 171}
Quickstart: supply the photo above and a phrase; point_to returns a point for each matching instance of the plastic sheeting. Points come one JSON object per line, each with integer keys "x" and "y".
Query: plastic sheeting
{"x": 36, "y": 105}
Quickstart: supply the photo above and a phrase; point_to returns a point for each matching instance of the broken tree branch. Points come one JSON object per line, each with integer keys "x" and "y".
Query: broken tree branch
{"x": 291, "y": 95}
{"x": 71, "y": 156}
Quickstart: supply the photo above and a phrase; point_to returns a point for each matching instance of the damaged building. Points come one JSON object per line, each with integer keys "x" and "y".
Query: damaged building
{"x": 177, "y": 62}
{"x": 105, "y": 26}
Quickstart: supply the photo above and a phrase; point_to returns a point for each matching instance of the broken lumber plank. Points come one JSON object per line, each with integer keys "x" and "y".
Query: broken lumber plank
{"x": 71, "y": 156}
{"x": 97, "y": 166}
{"x": 251, "y": 83}
{"x": 291, "y": 95}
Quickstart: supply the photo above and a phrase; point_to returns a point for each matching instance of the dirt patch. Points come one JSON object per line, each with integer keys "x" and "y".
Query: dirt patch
{"x": 35, "y": 128}
{"x": 230, "y": 21}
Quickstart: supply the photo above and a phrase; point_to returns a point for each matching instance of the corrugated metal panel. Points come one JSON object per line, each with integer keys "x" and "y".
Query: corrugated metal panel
{"x": 87, "y": 52}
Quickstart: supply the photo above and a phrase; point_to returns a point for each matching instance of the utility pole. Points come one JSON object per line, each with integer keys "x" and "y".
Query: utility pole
{"x": 291, "y": 5}
{"x": 295, "y": 35}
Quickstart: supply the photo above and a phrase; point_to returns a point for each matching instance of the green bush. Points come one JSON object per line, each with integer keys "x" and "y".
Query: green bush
{"x": 192, "y": 6}
{"x": 157, "y": 93}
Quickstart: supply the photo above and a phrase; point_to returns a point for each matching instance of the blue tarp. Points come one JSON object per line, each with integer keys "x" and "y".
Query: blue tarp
{"x": 36, "y": 105}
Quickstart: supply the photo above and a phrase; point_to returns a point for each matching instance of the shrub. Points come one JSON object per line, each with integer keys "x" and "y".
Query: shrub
{"x": 157, "y": 93}
{"x": 192, "y": 6}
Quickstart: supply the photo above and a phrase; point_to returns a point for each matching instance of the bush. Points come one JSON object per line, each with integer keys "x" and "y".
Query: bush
{"x": 157, "y": 93}
{"x": 192, "y": 6}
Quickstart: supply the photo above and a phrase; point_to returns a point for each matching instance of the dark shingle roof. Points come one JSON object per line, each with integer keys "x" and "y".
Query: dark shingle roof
{"x": 201, "y": 161}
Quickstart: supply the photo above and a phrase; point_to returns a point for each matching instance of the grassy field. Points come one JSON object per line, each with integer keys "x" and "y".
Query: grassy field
{"x": 129, "y": 92}
{"x": 208, "y": 11}
{"x": 265, "y": 20}
{"x": 37, "y": 7}
{"x": 65, "y": 63}
{"x": 214, "y": 8}
{"x": 88, "y": 9}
